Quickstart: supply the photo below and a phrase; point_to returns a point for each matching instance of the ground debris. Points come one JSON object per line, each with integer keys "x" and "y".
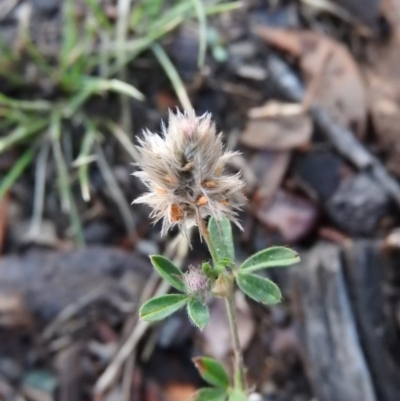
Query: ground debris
{"x": 272, "y": 127}
{"x": 333, "y": 77}
{"x": 293, "y": 217}
{"x": 338, "y": 301}
{"x": 50, "y": 281}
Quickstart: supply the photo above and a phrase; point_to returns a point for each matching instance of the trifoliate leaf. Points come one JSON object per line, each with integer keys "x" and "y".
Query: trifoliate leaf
{"x": 259, "y": 288}
{"x": 212, "y": 372}
{"x": 270, "y": 257}
{"x": 161, "y": 307}
{"x": 168, "y": 271}
{"x": 221, "y": 238}
{"x": 198, "y": 313}
{"x": 211, "y": 394}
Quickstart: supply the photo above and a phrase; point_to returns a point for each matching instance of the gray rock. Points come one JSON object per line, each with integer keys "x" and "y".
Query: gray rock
{"x": 358, "y": 205}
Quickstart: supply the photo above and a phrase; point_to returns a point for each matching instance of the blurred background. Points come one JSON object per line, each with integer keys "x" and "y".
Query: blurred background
{"x": 307, "y": 90}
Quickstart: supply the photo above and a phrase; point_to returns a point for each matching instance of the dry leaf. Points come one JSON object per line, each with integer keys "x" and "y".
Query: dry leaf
{"x": 269, "y": 167}
{"x": 333, "y": 77}
{"x": 282, "y": 131}
{"x": 292, "y": 216}
{"x": 383, "y": 79}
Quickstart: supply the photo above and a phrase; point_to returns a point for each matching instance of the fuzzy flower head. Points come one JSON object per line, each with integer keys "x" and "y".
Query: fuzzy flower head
{"x": 184, "y": 171}
{"x": 197, "y": 283}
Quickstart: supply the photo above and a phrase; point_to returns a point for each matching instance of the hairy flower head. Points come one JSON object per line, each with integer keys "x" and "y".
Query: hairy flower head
{"x": 197, "y": 283}
{"x": 184, "y": 171}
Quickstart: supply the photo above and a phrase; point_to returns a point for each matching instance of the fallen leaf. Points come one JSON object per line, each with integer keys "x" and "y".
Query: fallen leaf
{"x": 281, "y": 129}
{"x": 292, "y": 216}
{"x": 383, "y": 79}
{"x": 331, "y": 73}
{"x": 269, "y": 168}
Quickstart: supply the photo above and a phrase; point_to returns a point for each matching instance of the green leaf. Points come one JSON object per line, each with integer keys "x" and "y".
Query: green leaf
{"x": 83, "y": 161}
{"x": 198, "y": 313}
{"x": 159, "y": 308}
{"x": 237, "y": 395}
{"x": 168, "y": 271}
{"x": 211, "y": 394}
{"x": 212, "y": 372}
{"x": 221, "y": 239}
{"x": 270, "y": 257}
{"x": 259, "y": 288}
{"x": 17, "y": 169}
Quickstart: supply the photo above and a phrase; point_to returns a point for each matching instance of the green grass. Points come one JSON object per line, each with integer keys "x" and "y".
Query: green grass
{"x": 93, "y": 55}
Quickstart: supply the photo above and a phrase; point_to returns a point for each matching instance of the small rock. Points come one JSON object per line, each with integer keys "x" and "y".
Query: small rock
{"x": 98, "y": 232}
{"x": 358, "y": 205}
{"x": 40, "y": 385}
{"x": 250, "y": 71}
{"x": 244, "y": 50}
{"x": 47, "y": 6}
{"x": 10, "y": 369}
{"x": 319, "y": 171}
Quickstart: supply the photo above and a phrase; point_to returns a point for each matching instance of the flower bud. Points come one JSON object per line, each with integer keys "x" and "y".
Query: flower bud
{"x": 197, "y": 283}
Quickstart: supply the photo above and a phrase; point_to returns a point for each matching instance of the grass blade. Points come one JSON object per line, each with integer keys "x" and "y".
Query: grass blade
{"x": 201, "y": 16}
{"x": 61, "y": 167}
{"x": 69, "y": 33}
{"x": 173, "y": 75}
{"x": 68, "y": 204}
{"x": 40, "y": 187}
{"x": 36, "y": 105}
{"x": 17, "y": 169}
{"x": 124, "y": 140}
{"x": 224, "y": 7}
{"x": 84, "y": 160}
{"x": 115, "y": 85}
{"x": 21, "y": 133}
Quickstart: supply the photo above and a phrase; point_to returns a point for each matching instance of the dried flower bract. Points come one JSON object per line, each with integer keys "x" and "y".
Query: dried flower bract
{"x": 183, "y": 169}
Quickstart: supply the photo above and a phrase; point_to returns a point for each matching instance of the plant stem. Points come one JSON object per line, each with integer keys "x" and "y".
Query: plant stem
{"x": 239, "y": 366}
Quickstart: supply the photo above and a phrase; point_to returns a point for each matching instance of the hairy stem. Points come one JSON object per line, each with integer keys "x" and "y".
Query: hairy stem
{"x": 239, "y": 366}
{"x": 228, "y": 293}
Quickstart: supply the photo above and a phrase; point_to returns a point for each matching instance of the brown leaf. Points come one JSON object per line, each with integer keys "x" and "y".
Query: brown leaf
{"x": 383, "y": 79}
{"x": 279, "y": 132}
{"x": 333, "y": 77}
{"x": 292, "y": 216}
{"x": 270, "y": 167}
